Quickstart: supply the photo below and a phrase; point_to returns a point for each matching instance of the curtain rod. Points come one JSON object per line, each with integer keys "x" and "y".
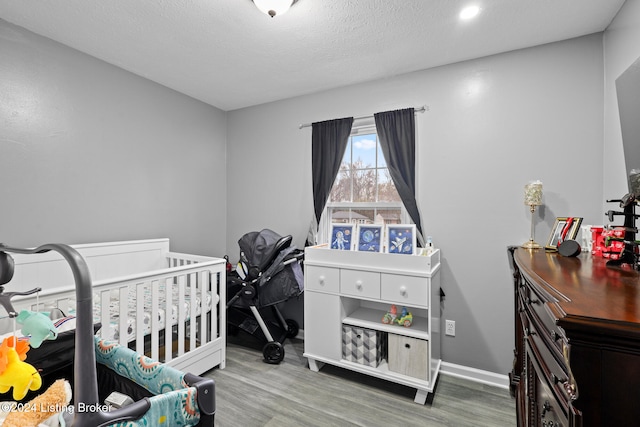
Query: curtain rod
{"x": 416, "y": 110}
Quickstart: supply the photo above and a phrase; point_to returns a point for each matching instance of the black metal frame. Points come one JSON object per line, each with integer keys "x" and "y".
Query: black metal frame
{"x": 629, "y": 254}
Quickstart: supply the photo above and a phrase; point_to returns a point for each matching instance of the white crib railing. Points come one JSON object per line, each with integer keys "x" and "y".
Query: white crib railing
{"x": 180, "y": 335}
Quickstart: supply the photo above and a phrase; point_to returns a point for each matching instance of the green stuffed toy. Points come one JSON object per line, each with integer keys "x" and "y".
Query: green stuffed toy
{"x": 37, "y": 326}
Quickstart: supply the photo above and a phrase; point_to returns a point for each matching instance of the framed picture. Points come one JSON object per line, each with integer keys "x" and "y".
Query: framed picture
{"x": 565, "y": 228}
{"x": 341, "y": 236}
{"x": 369, "y": 238}
{"x": 401, "y": 239}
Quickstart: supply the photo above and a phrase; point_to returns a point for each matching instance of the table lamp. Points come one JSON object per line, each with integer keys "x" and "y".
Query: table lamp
{"x": 532, "y": 198}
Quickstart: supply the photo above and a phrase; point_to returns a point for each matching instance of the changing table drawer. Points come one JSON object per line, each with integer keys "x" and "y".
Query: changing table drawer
{"x": 322, "y": 279}
{"x": 364, "y": 284}
{"x": 404, "y": 289}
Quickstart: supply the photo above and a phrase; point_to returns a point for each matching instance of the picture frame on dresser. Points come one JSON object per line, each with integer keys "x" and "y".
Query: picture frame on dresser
{"x": 401, "y": 239}
{"x": 369, "y": 237}
{"x": 564, "y": 228}
{"x": 341, "y": 236}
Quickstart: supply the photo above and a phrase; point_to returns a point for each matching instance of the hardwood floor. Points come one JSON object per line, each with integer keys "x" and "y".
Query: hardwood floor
{"x": 251, "y": 393}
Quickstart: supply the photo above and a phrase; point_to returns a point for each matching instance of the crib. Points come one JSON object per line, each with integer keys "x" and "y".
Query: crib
{"x": 161, "y": 304}
{"x": 183, "y": 398}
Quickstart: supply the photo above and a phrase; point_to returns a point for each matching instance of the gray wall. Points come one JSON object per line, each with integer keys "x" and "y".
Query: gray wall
{"x": 494, "y": 124}
{"x": 90, "y": 153}
{"x": 621, "y": 50}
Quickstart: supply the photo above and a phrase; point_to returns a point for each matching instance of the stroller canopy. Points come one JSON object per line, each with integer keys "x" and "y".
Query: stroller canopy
{"x": 259, "y": 248}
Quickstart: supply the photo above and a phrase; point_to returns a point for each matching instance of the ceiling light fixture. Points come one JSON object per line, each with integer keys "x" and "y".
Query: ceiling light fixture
{"x": 469, "y": 12}
{"x": 273, "y": 7}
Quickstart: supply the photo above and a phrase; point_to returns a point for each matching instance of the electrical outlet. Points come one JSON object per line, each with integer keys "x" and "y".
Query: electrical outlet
{"x": 450, "y": 328}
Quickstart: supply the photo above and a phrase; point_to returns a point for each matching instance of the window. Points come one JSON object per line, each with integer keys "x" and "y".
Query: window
{"x": 363, "y": 192}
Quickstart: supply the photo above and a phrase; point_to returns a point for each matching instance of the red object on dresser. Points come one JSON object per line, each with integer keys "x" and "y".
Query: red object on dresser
{"x": 613, "y": 248}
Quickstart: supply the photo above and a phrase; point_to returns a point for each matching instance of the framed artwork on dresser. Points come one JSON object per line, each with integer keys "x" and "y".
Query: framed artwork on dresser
{"x": 564, "y": 228}
{"x": 401, "y": 239}
{"x": 341, "y": 237}
{"x": 369, "y": 238}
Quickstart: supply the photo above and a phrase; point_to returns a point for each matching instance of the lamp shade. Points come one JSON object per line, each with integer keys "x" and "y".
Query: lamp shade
{"x": 273, "y": 7}
{"x": 533, "y": 193}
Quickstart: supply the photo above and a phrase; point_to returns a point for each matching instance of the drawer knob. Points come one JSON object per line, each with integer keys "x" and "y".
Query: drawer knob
{"x": 359, "y": 285}
{"x": 321, "y": 280}
{"x": 403, "y": 291}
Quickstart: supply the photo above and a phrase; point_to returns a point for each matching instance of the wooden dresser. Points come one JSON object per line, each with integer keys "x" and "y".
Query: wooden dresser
{"x": 577, "y": 341}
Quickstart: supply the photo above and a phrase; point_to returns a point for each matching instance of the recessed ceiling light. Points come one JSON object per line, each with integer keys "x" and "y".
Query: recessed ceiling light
{"x": 469, "y": 12}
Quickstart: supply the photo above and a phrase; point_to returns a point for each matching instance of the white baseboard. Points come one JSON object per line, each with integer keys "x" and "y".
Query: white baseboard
{"x": 473, "y": 374}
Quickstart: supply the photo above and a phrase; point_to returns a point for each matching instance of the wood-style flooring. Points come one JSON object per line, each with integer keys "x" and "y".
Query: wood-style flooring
{"x": 251, "y": 393}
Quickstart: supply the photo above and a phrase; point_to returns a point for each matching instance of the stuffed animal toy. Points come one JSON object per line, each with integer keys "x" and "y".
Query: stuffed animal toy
{"x": 18, "y": 374}
{"x": 48, "y": 404}
{"x": 37, "y": 326}
{"x": 21, "y": 345}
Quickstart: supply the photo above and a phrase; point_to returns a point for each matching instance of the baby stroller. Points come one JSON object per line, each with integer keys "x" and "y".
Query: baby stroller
{"x": 269, "y": 272}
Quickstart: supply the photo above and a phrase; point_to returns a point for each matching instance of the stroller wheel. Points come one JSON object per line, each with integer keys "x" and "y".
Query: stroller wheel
{"x": 273, "y": 352}
{"x": 232, "y": 330}
{"x": 292, "y": 328}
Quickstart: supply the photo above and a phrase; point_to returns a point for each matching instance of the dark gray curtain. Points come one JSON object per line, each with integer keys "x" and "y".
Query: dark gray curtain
{"x": 397, "y": 134}
{"x": 328, "y": 142}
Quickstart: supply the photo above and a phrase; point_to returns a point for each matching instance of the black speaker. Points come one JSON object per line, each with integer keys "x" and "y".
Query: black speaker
{"x": 569, "y": 248}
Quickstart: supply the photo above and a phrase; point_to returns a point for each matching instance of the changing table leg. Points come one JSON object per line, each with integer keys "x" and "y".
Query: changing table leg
{"x": 421, "y": 396}
{"x": 314, "y": 365}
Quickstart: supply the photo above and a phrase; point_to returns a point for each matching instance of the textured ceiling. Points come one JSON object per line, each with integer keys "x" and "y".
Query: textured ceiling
{"x": 230, "y": 55}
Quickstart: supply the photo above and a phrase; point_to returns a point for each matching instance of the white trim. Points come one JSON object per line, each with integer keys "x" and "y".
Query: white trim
{"x": 366, "y": 125}
{"x": 476, "y": 375}
{"x": 365, "y": 205}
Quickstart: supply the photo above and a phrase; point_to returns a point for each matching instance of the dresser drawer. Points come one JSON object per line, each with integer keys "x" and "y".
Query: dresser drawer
{"x": 322, "y": 279}
{"x": 406, "y": 290}
{"x": 364, "y": 284}
{"x": 555, "y": 372}
{"x": 547, "y": 410}
{"x": 547, "y": 406}
{"x": 546, "y": 323}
